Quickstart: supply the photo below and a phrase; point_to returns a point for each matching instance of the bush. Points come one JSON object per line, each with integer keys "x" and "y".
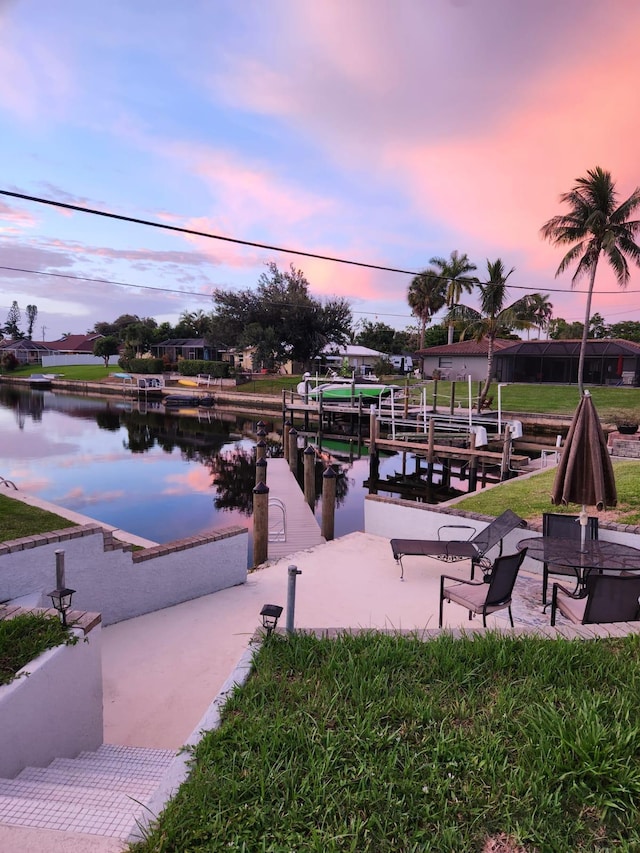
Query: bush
{"x": 192, "y": 367}
{"x": 9, "y": 362}
{"x": 146, "y": 365}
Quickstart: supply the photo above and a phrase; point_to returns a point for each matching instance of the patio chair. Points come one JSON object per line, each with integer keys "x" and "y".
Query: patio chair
{"x": 482, "y": 597}
{"x": 473, "y": 547}
{"x": 563, "y": 527}
{"x": 608, "y": 598}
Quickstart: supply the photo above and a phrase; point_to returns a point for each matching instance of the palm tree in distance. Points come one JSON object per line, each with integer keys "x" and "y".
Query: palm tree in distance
{"x": 595, "y": 224}
{"x": 541, "y": 312}
{"x": 494, "y": 320}
{"x": 426, "y": 296}
{"x": 455, "y": 270}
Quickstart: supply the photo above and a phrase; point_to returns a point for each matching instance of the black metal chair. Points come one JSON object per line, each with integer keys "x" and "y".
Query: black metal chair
{"x": 472, "y": 548}
{"x": 560, "y": 526}
{"x": 480, "y": 596}
{"x": 607, "y": 598}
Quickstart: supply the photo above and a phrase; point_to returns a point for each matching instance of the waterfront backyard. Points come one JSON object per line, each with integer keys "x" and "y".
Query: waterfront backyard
{"x": 484, "y": 745}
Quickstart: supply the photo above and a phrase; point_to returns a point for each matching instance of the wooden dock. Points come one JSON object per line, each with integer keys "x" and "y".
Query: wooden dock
{"x": 302, "y": 531}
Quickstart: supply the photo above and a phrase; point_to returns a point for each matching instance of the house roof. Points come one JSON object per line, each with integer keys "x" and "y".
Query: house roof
{"x": 26, "y": 345}
{"x": 74, "y": 343}
{"x": 469, "y": 348}
{"x": 351, "y": 351}
{"x": 183, "y": 342}
{"x": 571, "y": 348}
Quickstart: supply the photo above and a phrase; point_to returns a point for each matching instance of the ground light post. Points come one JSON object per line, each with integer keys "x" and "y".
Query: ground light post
{"x": 292, "y": 571}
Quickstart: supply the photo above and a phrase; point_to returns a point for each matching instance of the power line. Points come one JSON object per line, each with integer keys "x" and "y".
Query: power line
{"x": 150, "y": 223}
{"x": 154, "y": 224}
{"x": 150, "y": 287}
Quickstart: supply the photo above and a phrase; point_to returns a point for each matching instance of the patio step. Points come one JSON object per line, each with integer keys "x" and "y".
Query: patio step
{"x": 99, "y": 793}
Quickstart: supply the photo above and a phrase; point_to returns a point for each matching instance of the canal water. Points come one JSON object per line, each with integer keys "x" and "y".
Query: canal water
{"x": 160, "y": 475}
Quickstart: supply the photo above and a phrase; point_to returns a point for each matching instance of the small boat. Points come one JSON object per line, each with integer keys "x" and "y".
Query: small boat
{"x": 122, "y": 376}
{"x": 189, "y": 383}
{"x": 188, "y": 401}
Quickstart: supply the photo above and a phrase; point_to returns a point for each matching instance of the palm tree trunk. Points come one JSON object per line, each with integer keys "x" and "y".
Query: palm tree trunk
{"x": 487, "y": 382}
{"x": 585, "y": 331}
{"x": 450, "y": 334}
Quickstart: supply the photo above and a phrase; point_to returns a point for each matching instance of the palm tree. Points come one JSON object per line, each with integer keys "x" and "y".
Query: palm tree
{"x": 540, "y": 310}
{"x": 493, "y": 320}
{"x": 455, "y": 272}
{"x": 595, "y": 224}
{"x": 426, "y": 296}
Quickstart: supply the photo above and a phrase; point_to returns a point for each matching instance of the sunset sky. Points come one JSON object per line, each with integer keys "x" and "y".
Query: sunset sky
{"x": 382, "y": 131}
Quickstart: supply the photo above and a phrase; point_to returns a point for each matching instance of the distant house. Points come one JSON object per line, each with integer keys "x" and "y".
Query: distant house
{"x": 36, "y": 352}
{"x": 24, "y": 351}
{"x": 194, "y": 349}
{"x": 460, "y": 360}
{"x": 74, "y": 344}
{"x": 360, "y": 359}
{"x": 608, "y": 361}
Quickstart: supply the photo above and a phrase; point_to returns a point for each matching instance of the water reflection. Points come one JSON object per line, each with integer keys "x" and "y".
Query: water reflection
{"x": 163, "y": 475}
{"x": 159, "y": 475}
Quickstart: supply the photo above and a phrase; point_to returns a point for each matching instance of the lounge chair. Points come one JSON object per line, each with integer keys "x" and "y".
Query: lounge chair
{"x": 561, "y": 526}
{"x": 481, "y": 597}
{"x": 608, "y": 598}
{"x": 474, "y": 547}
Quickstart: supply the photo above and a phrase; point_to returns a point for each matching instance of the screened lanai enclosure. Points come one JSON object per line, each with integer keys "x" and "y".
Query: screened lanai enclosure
{"x": 607, "y": 362}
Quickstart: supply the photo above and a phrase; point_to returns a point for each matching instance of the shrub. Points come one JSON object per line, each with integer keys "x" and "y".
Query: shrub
{"x": 146, "y": 365}
{"x": 9, "y": 362}
{"x": 192, "y": 367}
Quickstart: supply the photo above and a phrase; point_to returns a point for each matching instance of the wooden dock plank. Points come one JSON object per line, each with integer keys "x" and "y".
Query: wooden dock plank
{"x": 445, "y": 450}
{"x": 302, "y": 529}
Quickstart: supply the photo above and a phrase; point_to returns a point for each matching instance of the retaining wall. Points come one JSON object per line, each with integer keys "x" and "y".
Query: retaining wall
{"x": 119, "y": 583}
{"x": 56, "y": 710}
{"x": 400, "y": 519}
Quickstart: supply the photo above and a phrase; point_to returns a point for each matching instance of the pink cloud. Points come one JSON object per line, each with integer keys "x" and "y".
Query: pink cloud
{"x": 193, "y": 480}
{"x": 34, "y": 80}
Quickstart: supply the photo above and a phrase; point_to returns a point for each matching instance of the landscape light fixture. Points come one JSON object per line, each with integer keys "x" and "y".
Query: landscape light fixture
{"x": 270, "y": 614}
{"x": 61, "y": 600}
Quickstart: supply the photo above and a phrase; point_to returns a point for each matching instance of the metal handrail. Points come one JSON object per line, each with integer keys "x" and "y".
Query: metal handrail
{"x": 277, "y": 521}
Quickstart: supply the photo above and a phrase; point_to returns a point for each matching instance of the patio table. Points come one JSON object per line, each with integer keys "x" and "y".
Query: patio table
{"x": 593, "y": 554}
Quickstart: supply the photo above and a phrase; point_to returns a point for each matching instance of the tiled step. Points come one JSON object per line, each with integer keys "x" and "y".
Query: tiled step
{"x": 89, "y": 777}
{"x": 99, "y": 793}
{"x": 50, "y": 791}
{"x": 68, "y": 817}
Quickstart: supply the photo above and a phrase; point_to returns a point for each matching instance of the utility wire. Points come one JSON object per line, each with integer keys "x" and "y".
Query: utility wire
{"x": 192, "y": 232}
{"x": 154, "y": 224}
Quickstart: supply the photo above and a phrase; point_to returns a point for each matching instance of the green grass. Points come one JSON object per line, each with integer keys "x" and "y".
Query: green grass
{"x": 79, "y": 372}
{"x": 379, "y": 744}
{"x": 25, "y": 637}
{"x": 529, "y": 497}
{"x": 18, "y": 519}
{"x": 543, "y": 399}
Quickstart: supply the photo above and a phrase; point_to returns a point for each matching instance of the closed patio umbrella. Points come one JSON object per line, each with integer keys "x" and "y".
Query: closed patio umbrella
{"x": 585, "y": 475}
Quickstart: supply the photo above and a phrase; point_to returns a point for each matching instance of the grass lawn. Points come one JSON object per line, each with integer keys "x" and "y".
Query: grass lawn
{"x": 79, "y": 372}
{"x": 529, "y": 497}
{"x": 380, "y": 744}
{"x": 25, "y": 637}
{"x": 18, "y": 519}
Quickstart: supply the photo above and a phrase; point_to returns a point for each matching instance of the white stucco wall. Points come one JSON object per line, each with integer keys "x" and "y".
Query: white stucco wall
{"x": 461, "y": 367}
{"x": 400, "y": 519}
{"x": 122, "y": 584}
{"x": 55, "y": 711}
